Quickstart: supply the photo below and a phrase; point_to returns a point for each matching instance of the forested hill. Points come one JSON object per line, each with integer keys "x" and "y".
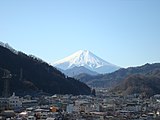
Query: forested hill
{"x": 146, "y": 84}
{"x": 112, "y": 79}
{"x": 31, "y": 74}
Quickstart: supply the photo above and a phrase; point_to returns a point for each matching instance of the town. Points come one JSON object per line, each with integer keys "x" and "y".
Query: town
{"x": 102, "y": 106}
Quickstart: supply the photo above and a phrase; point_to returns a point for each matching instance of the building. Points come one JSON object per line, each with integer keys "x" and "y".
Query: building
{"x": 14, "y": 102}
{"x": 4, "y": 104}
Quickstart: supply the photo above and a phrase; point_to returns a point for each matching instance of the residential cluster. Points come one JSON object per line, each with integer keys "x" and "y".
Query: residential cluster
{"x": 103, "y": 106}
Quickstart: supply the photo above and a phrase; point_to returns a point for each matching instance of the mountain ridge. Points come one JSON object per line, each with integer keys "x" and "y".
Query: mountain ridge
{"x": 37, "y": 75}
{"x": 78, "y": 70}
{"x": 112, "y": 79}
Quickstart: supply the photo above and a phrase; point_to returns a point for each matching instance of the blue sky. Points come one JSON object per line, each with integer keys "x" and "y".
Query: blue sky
{"x": 123, "y": 32}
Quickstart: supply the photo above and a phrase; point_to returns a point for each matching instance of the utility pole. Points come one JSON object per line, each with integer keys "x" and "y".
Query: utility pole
{"x": 21, "y": 75}
{"x": 7, "y": 76}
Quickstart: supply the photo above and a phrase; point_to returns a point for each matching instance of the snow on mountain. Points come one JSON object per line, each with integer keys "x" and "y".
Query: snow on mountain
{"x": 86, "y": 59}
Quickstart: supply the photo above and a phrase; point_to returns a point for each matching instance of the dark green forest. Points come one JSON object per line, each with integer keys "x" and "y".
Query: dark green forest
{"x": 31, "y": 75}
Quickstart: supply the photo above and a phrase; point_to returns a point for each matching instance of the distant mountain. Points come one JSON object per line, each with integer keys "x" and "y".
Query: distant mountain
{"x": 88, "y": 60}
{"x": 112, "y": 79}
{"x": 86, "y": 78}
{"x": 78, "y": 70}
{"x": 146, "y": 85}
{"x": 31, "y": 74}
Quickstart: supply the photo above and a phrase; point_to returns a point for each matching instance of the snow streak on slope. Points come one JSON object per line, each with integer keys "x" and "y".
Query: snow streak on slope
{"x": 87, "y": 59}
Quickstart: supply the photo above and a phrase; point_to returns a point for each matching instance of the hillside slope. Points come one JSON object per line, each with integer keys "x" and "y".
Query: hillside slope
{"x": 147, "y": 85}
{"x": 78, "y": 70}
{"x": 37, "y": 75}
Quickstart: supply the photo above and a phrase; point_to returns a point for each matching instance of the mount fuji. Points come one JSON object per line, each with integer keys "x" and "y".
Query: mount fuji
{"x": 86, "y": 60}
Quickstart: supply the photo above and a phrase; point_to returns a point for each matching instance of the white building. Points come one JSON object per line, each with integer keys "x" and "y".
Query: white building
{"x": 70, "y": 108}
{"x": 92, "y": 108}
{"x": 14, "y": 102}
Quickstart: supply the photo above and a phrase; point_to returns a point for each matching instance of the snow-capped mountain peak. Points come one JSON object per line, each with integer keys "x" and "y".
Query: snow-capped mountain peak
{"x": 82, "y": 58}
